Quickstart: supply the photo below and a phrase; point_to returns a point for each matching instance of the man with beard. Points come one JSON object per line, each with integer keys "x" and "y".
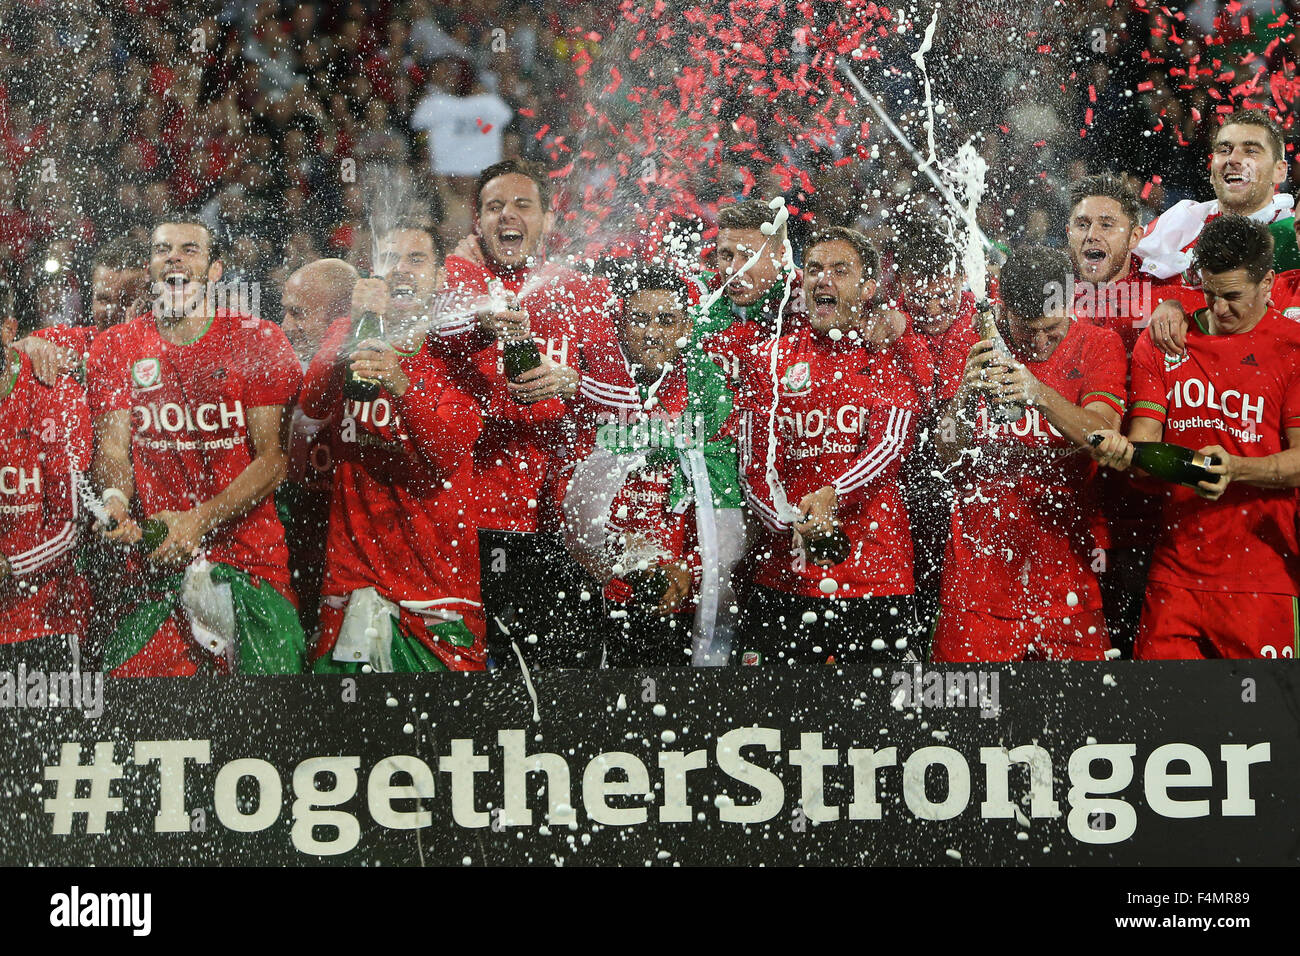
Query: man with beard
{"x": 119, "y": 291}
{"x": 1225, "y": 575}
{"x": 401, "y": 587}
{"x": 189, "y": 405}
{"x": 748, "y": 292}
{"x": 1111, "y": 291}
{"x": 828, "y": 438}
{"x": 654, "y": 508}
{"x": 313, "y": 298}
{"x": 1247, "y": 165}
{"x": 942, "y": 316}
{"x": 1017, "y": 577}
{"x": 512, "y": 295}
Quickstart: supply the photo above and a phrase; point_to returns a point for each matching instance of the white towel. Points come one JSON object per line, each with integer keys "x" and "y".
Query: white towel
{"x": 1165, "y": 250}
{"x": 210, "y": 609}
{"x": 366, "y": 634}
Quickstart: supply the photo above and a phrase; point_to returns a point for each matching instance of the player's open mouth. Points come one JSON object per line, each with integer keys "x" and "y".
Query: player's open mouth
{"x": 825, "y": 303}
{"x": 402, "y": 292}
{"x": 512, "y": 240}
{"x": 1094, "y": 255}
{"x": 176, "y": 280}
{"x": 1236, "y": 179}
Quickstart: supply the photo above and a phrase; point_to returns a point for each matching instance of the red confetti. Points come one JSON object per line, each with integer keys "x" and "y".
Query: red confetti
{"x": 583, "y": 60}
{"x": 615, "y": 81}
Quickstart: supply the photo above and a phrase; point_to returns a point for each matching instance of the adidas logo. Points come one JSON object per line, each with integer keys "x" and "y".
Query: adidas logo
{"x": 1250, "y": 360}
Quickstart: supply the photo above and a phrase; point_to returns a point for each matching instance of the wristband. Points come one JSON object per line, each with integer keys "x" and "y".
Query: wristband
{"x": 110, "y": 494}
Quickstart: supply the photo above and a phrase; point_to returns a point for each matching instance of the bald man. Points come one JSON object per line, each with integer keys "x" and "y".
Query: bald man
{"x": 313, "y": 298}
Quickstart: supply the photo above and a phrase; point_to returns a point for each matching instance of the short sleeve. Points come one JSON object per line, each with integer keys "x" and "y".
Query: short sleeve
{"x": 107, "y": 386}
{"x": 1149, "y": 389}
{"x": 273, "y": 375}
{"x": 1105, "y": 370}
{"x": 74, "y": 337}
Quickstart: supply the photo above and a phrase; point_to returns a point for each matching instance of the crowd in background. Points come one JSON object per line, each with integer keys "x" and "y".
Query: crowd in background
{"x": 265, "y": 116}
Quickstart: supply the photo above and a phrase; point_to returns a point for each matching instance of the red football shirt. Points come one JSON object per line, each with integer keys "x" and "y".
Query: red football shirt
{"x": 44, "y": 448}
{"x": 846, "y": 417}
{"x": 189, "y": 424}
{"x": 1129, "y": 515}
{"x": 402, "y": 468}
{"x": 1022, "y": 539}
{"x": 1240, "y": 392}
{"x": 521, "y": 444}
{"x": 79, "y": 338}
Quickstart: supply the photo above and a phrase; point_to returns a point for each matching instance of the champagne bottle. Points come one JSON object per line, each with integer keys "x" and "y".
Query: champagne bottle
{"x": 648, "y": 587}
{"x": 155, "y": 532}
{"x": 369, "y": 326}
{"x": 830, "y": 549}
{"x": 1173, "y": 463}
{"x": 1169, "y": 462}
{"x": 521, "y": 356}
{"x": 986, "y": 327}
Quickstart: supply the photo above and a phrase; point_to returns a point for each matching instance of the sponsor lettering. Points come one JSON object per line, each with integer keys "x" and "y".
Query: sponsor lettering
{"x": 174, "y": 418}
{"x": 1032, "y": 425}
{"x": 847, "y": 419}
{"x": 1194, "y": 393}
{"x": 378, "y": 413}
{"x": 16, "y": 480}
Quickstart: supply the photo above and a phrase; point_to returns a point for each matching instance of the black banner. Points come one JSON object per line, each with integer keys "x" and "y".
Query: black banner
{"x": 1075, "y": 764}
